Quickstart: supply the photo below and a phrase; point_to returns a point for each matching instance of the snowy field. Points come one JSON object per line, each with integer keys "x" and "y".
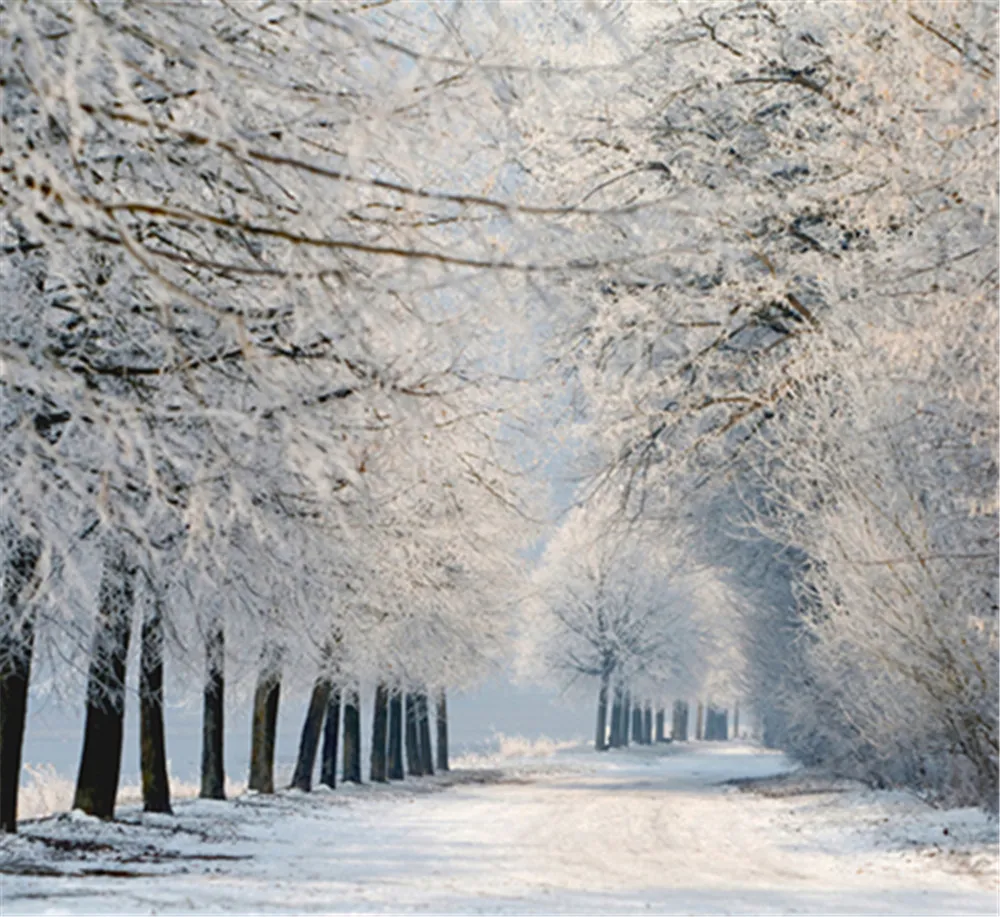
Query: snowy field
{"x": 540, "y": 829}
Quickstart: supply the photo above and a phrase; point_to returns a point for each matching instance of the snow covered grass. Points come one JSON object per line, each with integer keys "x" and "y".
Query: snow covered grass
{"x": 847, "y": 815}
{"x": 503, "y": 749}
{"x": 47, "y": 792}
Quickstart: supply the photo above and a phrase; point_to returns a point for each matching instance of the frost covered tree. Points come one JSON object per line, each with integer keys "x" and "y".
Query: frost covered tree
{"x": 615, "y": 604}
{"x": 240, "y": 245}
{"x": 808, "y": 363}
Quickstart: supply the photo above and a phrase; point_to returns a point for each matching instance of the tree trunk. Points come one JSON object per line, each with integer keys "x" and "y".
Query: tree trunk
{"x": 736, "y": 720}
{"x": 213, "y": 766}
{"x": 626, "y": 717}
{"x": 600, "y": 741}
{"x": 311, "y": 730}
{"x": 101, "y": 759}
{"x": 616, "y": 717}
{"x": 17, "y": 643}
{"x": 331, "y": 736}
{"x": 352, "y": 737}
{"x": 442, "y": 731}
{"x": 647, "y": 725}
{"x": 661, "y": 717}
{"x": 699, "y": 728}
{"x": 396, "y": 736}
{"x": 637, "y": 724}
{"x": 265, "y": 725}
{"x": 380, "y": 716}
{"x": 679, "y": 730}
{"x": 414, "y": 761}
{"x": 152, "y": 739}
{"x": 424, "y": 735}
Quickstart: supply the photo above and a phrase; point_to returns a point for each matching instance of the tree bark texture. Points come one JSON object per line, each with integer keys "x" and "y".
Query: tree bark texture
{"x": 600, "y": 738}
{"x": 380, "y": 725}
{"x": 699, "y": 727}
{"x": 647, "y": 725}
{"x": 331, "y": 737}
{"x": 312, "y": 728}
{"x": 616, "y": 717}
{"x": 424, "y": 735}
{"x": 626, "y": 718}
{"x": 265, "y": 726}
{"x": 414, "y": 762}
{"x": 716, "y": 725}
{"x": 213, "y": 720}
{"x": 637, "y": 736}
{"x": 17, "y": 644}
{"x": 442, "y": 730}
{"x": 395, "y": 762}
{"x": 660, "y": 724}
{"x": 679, "y": 728}
{"x": 152, "y": 738}
{"x": 352, "y": 737}
{"x": 101, "y": 758}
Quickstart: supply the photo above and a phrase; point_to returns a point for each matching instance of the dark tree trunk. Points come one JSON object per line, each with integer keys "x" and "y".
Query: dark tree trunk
{"x": 616, "y": 717}
{"x": 710, "y": 731}
{"x": 442, "y": 731}
{"x": 396, "y": 736}
{"x": 647, "y": 725}
{"x": 661, "y": 717}
{"x": 17, "y": 643}
{"x": 637, "y": 725}
{"x": 736, "y": 720}
{"x": 352, "y": 737}
{"x": 152, "y": 739}
{"x": 626, "y": 717}
{"x": 265, "y": 725}
{"x": 380, "y": 717}
{"x": 414, "y": 761}
{"x": 600, "y": 740}
{"x": 331, "y": 736}
{"x": 424, "y": 735}
{"x": 311, "y": 730}
{"x": 679, "y": 730}
{"x": 101, "y": 759}
{"x": 213, "y": 767}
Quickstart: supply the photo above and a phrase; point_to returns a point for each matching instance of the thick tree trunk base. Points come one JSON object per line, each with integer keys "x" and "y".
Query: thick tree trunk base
{"x": 600, "y": 737}
{"x": 152, "y": 739}
{"x": 352, "y": 737}
{"x": 101, "y": 758}
{"x": 424, "y": 736}
{"x": 213, "y": 768}
{"x": 414, "y": 760}
{"x": 331, "y": 737}
{"x": 17, "y": 645}
{"x": 311, "y": 732}
{"x": 265, "y": 728}
{"x": 442, "y": 731}
{"x": 396, "y": 736}
{"x": 380, "y": 725}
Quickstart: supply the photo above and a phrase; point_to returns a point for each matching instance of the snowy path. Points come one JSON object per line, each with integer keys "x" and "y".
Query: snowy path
{"x": 645, "y": 830}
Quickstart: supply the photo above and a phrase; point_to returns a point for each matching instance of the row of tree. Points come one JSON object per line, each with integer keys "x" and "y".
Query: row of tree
{"x": 254, "y": 407}
{"x": 803, "y": 385}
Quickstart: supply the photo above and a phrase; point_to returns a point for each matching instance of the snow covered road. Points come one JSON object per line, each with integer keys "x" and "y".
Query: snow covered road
{"x": 644, "y": 830}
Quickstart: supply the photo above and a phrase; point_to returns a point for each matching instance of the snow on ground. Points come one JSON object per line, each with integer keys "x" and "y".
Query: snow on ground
{"x": 543, "y": 830}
